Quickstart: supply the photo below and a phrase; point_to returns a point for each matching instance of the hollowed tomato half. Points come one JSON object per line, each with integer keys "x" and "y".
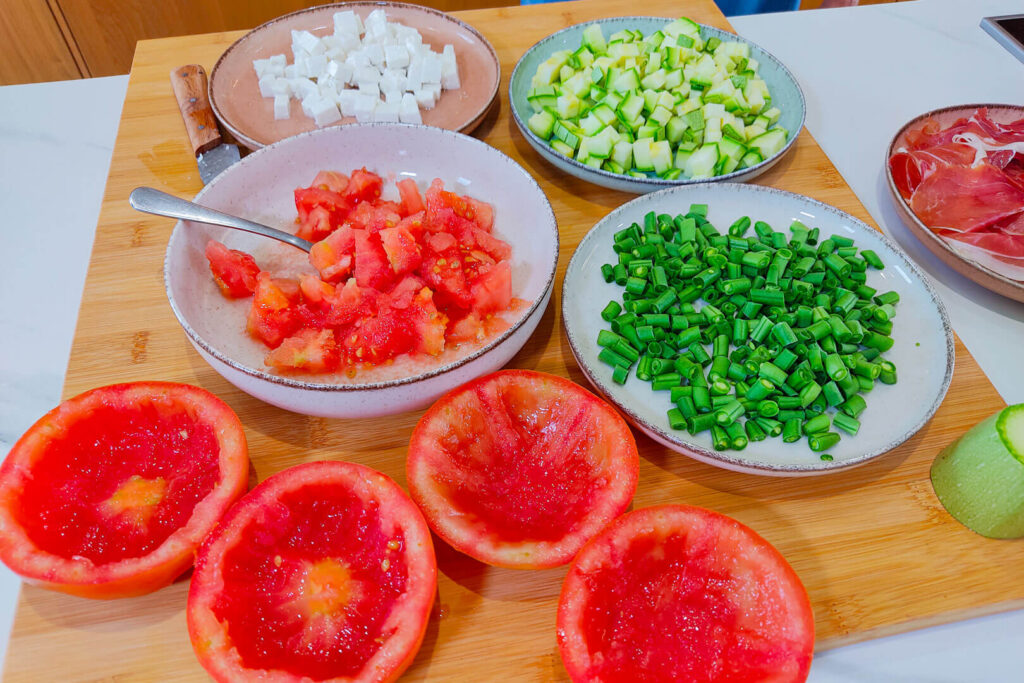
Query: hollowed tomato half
{"x": 323, "y": 572}
{"x": 680, "y": 593}
{"x": 111, "y": 493}
{"x": 519, "y": 468}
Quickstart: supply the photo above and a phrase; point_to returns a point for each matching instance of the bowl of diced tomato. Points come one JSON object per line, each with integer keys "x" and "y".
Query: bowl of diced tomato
{"x": 433, "y": 260}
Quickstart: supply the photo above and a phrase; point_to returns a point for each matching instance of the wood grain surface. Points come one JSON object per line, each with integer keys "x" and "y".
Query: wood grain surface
{"x": 873, "y": 546}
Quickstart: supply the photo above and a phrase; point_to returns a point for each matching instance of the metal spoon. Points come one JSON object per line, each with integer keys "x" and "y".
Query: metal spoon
{"x": 149, "y": 200}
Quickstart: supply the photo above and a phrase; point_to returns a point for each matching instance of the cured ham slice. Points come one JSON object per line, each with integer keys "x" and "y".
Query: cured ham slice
{"x": 966, "y": 183}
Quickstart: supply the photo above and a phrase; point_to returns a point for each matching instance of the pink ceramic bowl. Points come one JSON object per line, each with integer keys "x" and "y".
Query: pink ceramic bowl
{"x": 238, "y": 105}
{"x": 260, "y": 188}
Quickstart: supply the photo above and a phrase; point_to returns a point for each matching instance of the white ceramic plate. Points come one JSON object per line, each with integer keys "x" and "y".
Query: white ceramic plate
{"x": 260, "y": 188}
{"x": 786, "y": 95}
{"x": 923, "y": 349}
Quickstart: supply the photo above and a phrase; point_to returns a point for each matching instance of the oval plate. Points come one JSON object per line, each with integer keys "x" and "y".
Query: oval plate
{"x": 786, "y": 95}
{"x": 923, "y": 349}
{"x": 969, "y": 268}
{"x": 242, "y": 110}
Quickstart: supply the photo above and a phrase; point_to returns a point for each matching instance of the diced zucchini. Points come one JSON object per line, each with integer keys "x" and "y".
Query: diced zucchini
{"x": 593, "y": 39}
{"x": 661, "y": 156}
{"x": 622, "y": 154}
{"x": 568, "y": 106}
{"x": 542, "y": 123}
{"x": 562, "y": 148}
{"x": 751, "y": 158}
{"x": 675, "y": 128}
{"x": 642, "y": 155}
{"x": 701, "y": 163}
{"x": 770, "y": 143}
{"x": 731, "y": 149}
{"x": 612, "y": 167}
{"x": 660, "y": 115}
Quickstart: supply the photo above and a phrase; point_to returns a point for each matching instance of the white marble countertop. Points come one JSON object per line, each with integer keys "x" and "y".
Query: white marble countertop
{"x": 865, "y": 71}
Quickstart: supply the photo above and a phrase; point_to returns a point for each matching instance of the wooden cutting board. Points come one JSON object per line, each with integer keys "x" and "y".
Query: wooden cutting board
{"x": 873, "y": 546}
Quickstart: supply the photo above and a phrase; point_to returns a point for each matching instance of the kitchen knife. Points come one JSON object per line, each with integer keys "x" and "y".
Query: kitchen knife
{"x": 213, "y": 155}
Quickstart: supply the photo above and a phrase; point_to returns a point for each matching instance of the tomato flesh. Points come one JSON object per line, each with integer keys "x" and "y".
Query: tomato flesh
{"x": 117, "y": 485}
{"x": 324, "y": 571}
{"x": 675, "y": 593}
{"x": 520, "y": 468}
{"x": 111, "y": 492}
{"x": 295, "y": 609}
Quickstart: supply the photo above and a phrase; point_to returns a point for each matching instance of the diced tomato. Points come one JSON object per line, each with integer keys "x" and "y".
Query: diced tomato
{"x": 309, "y": 351}
{"x": 308, "y": 198}
{"x": 380, "y": 337}
{"x": 364, "y": 186}
{"x": 492, "y": 291}
{"x": 271, "y": 318}
{"x": 414, "y": 224}
{"x": 316, "y": 226}
{"x": 235, "y": 272}
{"x": 351, "y": 303}
{"x": 483, "y": 213}
{"x": 361, "y": 217}
{"x": 497, "y": 248}
{"x": 372, "y": 266}
{"x": 401, "y": 248}
{"x": 412, "y": 201}
{"x": 430, "y": 325}
{"x": 333, "y": 256}
{"x": 441, "y": 242}
{"x": 315, "y": 289}
{"x": 331, "y": 180}
{"x": 405, "y": 291}
{"x": 443, "y": 273}
{"x": 468, "y": 329}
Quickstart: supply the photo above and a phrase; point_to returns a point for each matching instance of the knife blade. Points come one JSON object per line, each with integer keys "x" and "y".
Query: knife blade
{"x": 213, "y": 155}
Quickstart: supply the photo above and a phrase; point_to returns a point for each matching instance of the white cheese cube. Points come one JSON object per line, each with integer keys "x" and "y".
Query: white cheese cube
{"x": 278, "y": 61}
{"x": 367, "y": 88}
{"x": 316, "y": 66}
{"x": 425, "y": 98}
{"x": 327, "y": 87}
{"x": 335, "y": 54}
{"x": 267, "y": 85}
{"x": 390, "y": 80}
{"x": 349, "y": 42}
{"x": 392, "y": 96}
{"x": 331, "y": 70}
{"x": 357, "y": 59}
{"x": 386, "y": 112}
{"x": 347, "y": 22}
{"x": 281, "y": 86}
{"x": 449, "y": 69}
{"x": 347, "y": 102}
{"x": 365, "y": 74}
{"x": 345, "y": 73}
{"x": 310, "y": 103}
{"x": 364, "y": 107}
{"x": 375, "y": 53}
{"x": 408, "y": 110}
{"x": 431, "y": 65}
{"x": 282, "y": 107}
{"x": 261, "y": 66}
{"x": 303, "y": 88}
{"x": 434, "y": 88}
{"x": 326, "y": 112}
{"x": 375, "y": 23}
{"x": 414, "y": 75}
{"x": 308, "y": 42}
{"x": 396, "y": 56}
{"x": 290, "y": 72}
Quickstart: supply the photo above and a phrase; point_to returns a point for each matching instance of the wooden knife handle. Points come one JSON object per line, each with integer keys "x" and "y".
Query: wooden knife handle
{"x": 190, "y": 89}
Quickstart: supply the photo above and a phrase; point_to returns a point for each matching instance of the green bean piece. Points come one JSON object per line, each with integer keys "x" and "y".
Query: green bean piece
{"x": 872, "y": 259}
{"x": 609, "y": 357}
{"x": 887, "y": 372}
{"x": 818, "y": 423}
{"x": 676, "y": 419}
{"x": 620, "y": 374}
{"x": 737, "y": 436}
{"x": 791, "y": 430}
{"x": 848, "y": 424}
{"x": 686, "y": 407}
{"x": 767, "y": 408}
{"x": 754, "y": 431}
{"x": 702, "y": 399}
{"x": 720, "y": 438}
{"x": 823, "y": 441}
{"x": 853, "y": 406}
{"x": 611, "y": 311}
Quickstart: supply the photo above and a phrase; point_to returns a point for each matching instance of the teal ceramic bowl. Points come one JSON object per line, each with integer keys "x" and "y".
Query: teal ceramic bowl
{"x": 786, "y": 95}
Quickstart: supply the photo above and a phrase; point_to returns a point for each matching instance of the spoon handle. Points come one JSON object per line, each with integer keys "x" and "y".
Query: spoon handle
{"x": 149, "y": 200}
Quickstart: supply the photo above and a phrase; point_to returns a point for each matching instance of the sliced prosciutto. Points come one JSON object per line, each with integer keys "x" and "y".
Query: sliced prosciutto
{"x": 966, "y": 183}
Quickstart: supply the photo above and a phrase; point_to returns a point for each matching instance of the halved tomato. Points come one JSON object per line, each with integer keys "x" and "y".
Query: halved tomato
{"x": 520, "y": 468}
{"x": 325, "y": 571}
{"x": 680, "y": 593}
{"x": 110, "y": 493}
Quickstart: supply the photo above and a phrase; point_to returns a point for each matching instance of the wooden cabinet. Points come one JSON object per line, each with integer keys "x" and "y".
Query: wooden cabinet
{"x": 46, "y": 40}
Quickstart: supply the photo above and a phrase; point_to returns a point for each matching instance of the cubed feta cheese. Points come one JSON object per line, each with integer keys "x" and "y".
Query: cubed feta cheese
{"x": 267, "y": 85}
{"x": 431, "y": 65}
{"x": 368, "y": 88}
{"x": 316, "y": 66}
{"x": 386, "y": 112}
{"x": 396, "y": 56}
{"x": 347, "y": 102}
{"x": 282, "y": 107}
{"x": 425, "y": 98}
{"x": 307, "y": 41}
{"x": 408, "y": 110}
{"x": 326, "y": 112}
{"x": 364, "y": 107}
{"x": 347, "y": 22}
{"x": 375, "y": 53}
